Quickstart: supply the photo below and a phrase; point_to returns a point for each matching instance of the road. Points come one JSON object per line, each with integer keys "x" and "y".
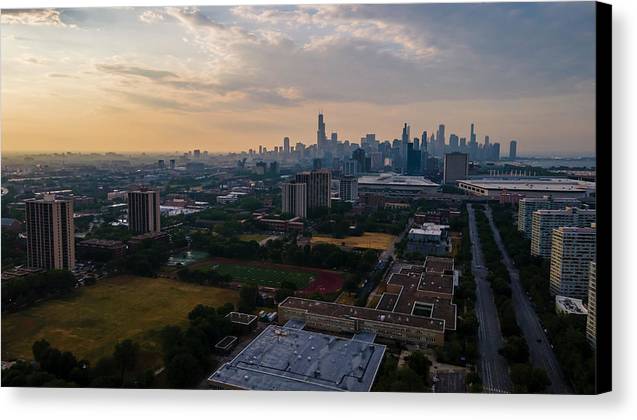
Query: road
{"x": 494, "y": 370}
{"x": 540, "y": 351}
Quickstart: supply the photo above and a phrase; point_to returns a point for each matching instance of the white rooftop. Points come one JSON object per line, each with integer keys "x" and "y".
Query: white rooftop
{"x": 531, "y": 183}
{"x": 397, "y": 180}
{"x": 569, "y": 305}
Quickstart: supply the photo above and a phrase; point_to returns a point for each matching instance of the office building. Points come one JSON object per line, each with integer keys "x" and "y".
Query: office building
{"x": 528, "y": 205}
{"x": 143, "y": 211}
{"x": 173, "y": 164}
{"x": 348, "y": 187}
{"x": 573, "y": 249}
{"x": 294, "y": 199}
{"x": 544, "y": 221}
{"x": 456, "y": 167}
{"x": 513, "y": 150}
{"x": 318, "y": 187}
{"x": 286, "y": 145}
{"x": 50, "y": 233}
{"x": 591, "y": 319}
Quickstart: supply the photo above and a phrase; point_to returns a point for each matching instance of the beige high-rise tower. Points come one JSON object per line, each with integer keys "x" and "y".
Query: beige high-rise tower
{"x": 143, "y": 211}
{"x": 50, "y": 233}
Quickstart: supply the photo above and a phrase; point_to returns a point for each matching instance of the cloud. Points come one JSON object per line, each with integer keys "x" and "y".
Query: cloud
{"x": 29, "y": 59}
{"x": 41, "y": 17}
{"x": 119, "y": 69}
{"x": 61, "y": 76}
{"x": 151, "y": 16}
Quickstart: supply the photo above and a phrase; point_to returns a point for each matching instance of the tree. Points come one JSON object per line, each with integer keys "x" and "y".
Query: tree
{"x": 248, "y": 297}
{"x": 183, "y": 370}
{"x": 515, "y": 350}
{"x": 125, "y": 356}
{"x": 406, "y": 380}
{"x": 420, "y": 364}
{"x": 527, "y": 379}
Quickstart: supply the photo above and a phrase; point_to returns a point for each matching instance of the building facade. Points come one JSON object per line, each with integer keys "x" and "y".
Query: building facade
{"x": 456, "y": 167}
{"x": 348, "y": 189}
{"x": 544, "y": 221}
{"x": 572, "y": 252}
{"x": 50, "y": 233}
{"x": 591, "y": 319}
{"x": 318, "y": 187}
{"x": 294, "y": 199}
{"x": 143, "y": 211}
{"x": 527, "y": 206}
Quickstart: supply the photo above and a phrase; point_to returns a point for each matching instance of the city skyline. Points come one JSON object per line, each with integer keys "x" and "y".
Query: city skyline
{"x": 230, "y": 78}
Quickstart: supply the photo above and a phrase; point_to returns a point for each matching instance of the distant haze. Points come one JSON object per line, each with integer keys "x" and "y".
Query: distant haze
{"x": 232, "y": 78}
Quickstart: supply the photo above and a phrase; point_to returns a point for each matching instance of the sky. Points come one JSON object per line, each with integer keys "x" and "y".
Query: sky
{"x": 231, "y": 78}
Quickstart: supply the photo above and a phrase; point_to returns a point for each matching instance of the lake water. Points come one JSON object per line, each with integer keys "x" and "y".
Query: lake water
{"x": 569, "y": 163}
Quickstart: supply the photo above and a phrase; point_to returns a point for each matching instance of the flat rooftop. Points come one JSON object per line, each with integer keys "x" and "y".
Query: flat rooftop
{"x": 531, "y": 184}
{"x": 290, "y": 359}
{"x": 423, "y": 290}
{"x": 396, "y": 180}
{"x": 570, "y": 305}
{"x": 338, "y": 310}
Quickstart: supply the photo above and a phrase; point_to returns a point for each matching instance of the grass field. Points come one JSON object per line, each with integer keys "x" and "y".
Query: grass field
{"x": 264, "y": 276}
{"x": 369, "y": 240}
{"x": 91, "y": 322}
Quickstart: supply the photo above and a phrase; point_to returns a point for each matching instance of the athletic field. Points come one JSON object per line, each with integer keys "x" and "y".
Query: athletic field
{"x": 264, "y": 276}
{"x": 96, "y": 317}
{"x": 369, "y": 240}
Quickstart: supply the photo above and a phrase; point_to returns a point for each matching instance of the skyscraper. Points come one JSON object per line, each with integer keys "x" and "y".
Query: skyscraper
{"x": 573, "y": 250}
{"x": 454, "y": 145}
{"x": 321, "y": 137}
{"x": 513, "y": 150}
{"x": 294, "y": 198}
{"x": 143, "y": 211}
{"x": 413, "y": 160}
{"x": 318, "y": 187}
{"x": 286, "y": 145}
{"x": 50, "y": 233}
{"x": 440, "y": 137}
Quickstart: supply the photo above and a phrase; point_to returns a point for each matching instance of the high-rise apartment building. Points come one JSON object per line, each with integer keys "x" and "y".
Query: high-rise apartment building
{"x": 318, "y": 187}
{"x": 574, "y": 248}
{"x": 456, "y": 167}
{"x": 294, "y": 198}
{"x": 591, "y": 319}
{"x": 143, "y": 211}
{"x": 50, "y": 233}
{"x": 527, "y": 206}
{"x": 348, "y": 189}
{"x": 544, "y": 221}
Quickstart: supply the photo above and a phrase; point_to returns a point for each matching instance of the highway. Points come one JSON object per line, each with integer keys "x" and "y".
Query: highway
{"x": 540, "y": 351}
{"x": 494, "y": 369}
